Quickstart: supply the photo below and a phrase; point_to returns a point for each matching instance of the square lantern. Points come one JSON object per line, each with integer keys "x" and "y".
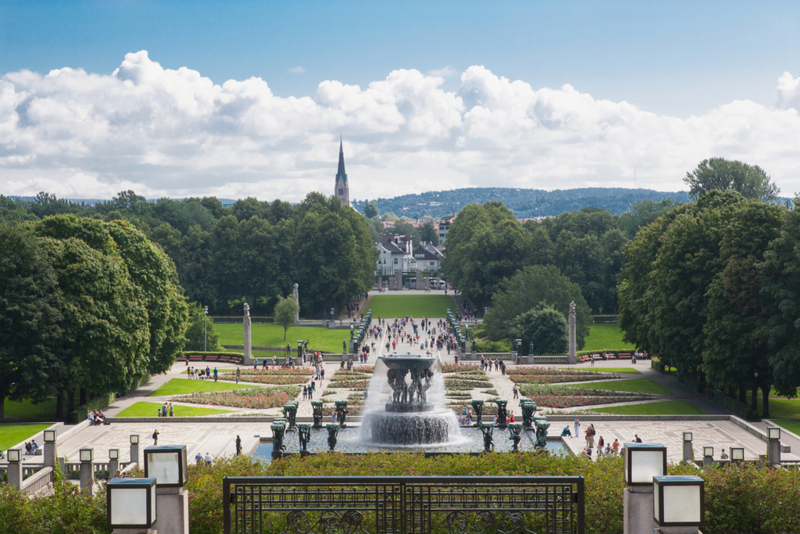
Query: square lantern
{"x": 678, "y": 501}
{"x": 687, "y": 436}
{"x": 737, "y": 454}
{"x": 14, "y": 455}
{"x": 134, "y": 439}
{"x": 49, "y": 436}
{"x": 773, "y": 432}
{"x": 113, "y": 454}
{"x": 87, "y": 455}
{"x": 168, "y": 464}
{"x": 643, "y": 461}
{"x": 708, "y": 451}
{"x": 131, "y": 503}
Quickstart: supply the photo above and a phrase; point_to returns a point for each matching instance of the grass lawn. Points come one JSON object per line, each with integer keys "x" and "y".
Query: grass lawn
{"x": 150, "y": 409}
{"x": 11, "y": 434}
{"x": 791, "y": 426}
{"x": 619, "y": 370}
{"x": 605, "y": 337}
{"x": 183, "y": 386}
{"x": 25, "y": 409}
{"x": 637, "y": 385}
{"x": 271, "y": 335}
{"x": 676, "y": 407}
{"x": 417, "y": 306}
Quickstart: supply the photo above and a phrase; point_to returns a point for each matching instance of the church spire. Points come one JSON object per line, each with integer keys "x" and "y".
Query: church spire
{"x": 342, "y": 189}
{"x": 341, "y": 160}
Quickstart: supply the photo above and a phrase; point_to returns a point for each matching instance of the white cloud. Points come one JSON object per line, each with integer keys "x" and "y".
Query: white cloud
{"x": 174, "y": 132}
{"x": 297, "y": 70}
{"x": 444, "y": 72}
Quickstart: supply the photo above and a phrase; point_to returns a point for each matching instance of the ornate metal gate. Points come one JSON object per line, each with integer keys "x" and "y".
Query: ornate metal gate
{"x": 403, "y": 505}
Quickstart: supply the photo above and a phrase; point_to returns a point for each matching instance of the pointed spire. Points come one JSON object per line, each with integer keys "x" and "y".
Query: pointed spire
{"x": 341, "y": 159}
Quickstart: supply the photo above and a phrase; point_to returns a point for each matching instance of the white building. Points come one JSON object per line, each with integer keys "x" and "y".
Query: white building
{"x": 395, "y": 255}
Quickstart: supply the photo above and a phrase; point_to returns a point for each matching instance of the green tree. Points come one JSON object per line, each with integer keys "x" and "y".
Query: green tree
{"x": 201, "y": 332}
{"x": 751, "y": 181}
{"x": 429, "y": 233}
{"x": 643, "y": 213}
{"x": 545, "y": 327}
{"x": 30, "y": 317}
{"x": 371, "y": 210}
{"x": 285, "y": 312}
{"x": 530, "y": 287}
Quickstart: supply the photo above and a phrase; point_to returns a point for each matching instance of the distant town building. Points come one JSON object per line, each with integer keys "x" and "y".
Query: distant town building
{"x": 444, "y": 227}
{"x": 395, "y": 254}
{"x": 428, "y": 257}
{"x": 342, "y": 189}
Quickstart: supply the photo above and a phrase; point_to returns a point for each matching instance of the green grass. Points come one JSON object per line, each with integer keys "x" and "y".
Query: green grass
{"x": 637, "y": 385}
{"x": 417, "y": 306}
{"x": 779, "y": 407}
{"x": 183, "y": 386}
{"x": 791, "y": 426}
{"x": 271, "y": 335}
{"x": 25, "y": 409}
{"x": 606, "y": 337}
{"x": 619, "y": 370}
{"x": 11, "y": 434}
{"x": 676, "y": 407}
{"x": 150, "y": 409}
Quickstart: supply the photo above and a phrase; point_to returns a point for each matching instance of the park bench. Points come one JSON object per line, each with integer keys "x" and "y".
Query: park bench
{"x": 583, "y": 359}
{"x": 624, "y": 355}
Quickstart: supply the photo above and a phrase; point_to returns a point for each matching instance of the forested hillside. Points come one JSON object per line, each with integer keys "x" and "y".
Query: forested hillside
{"x": 522, "y": 202}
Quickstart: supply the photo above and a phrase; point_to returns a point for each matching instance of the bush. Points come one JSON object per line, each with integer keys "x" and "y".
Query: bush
{"x": 504, "y": 345}
{"x": 657, "y": 364}
{"x": 604, "y": 319}
{"x": 79, "y": 414}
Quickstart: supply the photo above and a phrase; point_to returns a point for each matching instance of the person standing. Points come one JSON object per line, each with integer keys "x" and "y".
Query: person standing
{"x": 238, "y": 446}
{"x": 238, "y": 374}
{"x": 577, "y": 427}
{"x": 516, "y": 391}
{"x": 215, "y": 374}
{"x": 171, "y": 410}
{"x": 155, "y": 437}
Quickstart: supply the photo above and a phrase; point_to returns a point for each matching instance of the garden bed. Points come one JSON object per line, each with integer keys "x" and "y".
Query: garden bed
{"x": 252, "y": 398}
{"x": 570, "y": 397}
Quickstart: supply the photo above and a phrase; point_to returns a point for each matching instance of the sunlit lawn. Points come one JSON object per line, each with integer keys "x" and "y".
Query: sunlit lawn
{"x": 637, "y": 385}
{"x": 25, "y": 409}
{"x": 791, "y": 426}
{"x": 620, "y": 370}
{"x": 417, "y": 306}
{"x": 182, "y": 386}
{"x": 271, "y": 335}
{"x": 606, "y": 337}
{"x": 150, "y": 409}
{"x": 676, "y": 407}
{"x": 11, "y": 434}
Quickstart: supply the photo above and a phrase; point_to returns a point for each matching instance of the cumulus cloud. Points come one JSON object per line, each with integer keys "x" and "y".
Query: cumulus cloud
{"x": 297, "y": 70}
{"x": 174, "y": 132}
{"x": 444, "y": 72}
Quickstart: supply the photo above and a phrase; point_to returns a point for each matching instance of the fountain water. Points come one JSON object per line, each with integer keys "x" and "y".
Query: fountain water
{"x": 411, "y": 412}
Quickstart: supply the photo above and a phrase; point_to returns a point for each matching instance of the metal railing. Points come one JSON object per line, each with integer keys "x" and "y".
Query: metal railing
{"x": 404, "y": 505}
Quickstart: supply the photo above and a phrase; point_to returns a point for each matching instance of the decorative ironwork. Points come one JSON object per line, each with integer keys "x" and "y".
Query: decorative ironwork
{"x": 514, "y": 430}
{"x": 488, "y": 430}
{"x": 403, "y": 505}
{"x": 317, "y": 407}
{"x": 477, "y": 405}
{"x": 333, "y": 433}
{"x": 304, "y": 433}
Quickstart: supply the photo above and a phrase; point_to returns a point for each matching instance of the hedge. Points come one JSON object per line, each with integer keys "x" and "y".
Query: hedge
{"x": 188, "y": 353}
{"x": 101, "y": 402}
{"x": 240, "y": 320}
{"x": 604, "y": 319}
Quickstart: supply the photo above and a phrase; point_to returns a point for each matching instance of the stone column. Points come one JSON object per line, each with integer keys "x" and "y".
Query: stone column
{"x": 113, "y": 466}
{"x": 637, "y": 506}
{"x": 296, "y": 294}
{"x": 50, "y": 453}
{"x": 87, "y": 474}
{"x": 15, "y": 475}
{"x": 688, "y": 452}
{"x": 774, "y": 452}
{"x": 135, "y": 454}
{"x": 248, "y": 349}
{"x": 173, "y": 511}
{"x": 572, "y": 323}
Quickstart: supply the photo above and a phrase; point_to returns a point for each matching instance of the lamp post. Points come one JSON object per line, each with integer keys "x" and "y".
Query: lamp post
{"x": 688, "y": 452}
{"x": 708, "y": 456}
{"x": 14, "y": 468}
{"x": 87, "y": 470}
{"x": 642, "y": 463}
{"x": 679, "y": 504}
{"x": 113, "y": 462}
{"x": 134, "y": 448}
{"x": 774, "y": 445}
{"x": 131, "y": 504}
{"x": 50, "y": 451}
{"x": 737, "y": 455}
{"x": 168, "y": 465}
{"x": 205, "y": 328}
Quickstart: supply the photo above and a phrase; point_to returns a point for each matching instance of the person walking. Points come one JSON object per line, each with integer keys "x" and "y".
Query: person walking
{"x": 155, "y": 437}
{"x": 238, "y": 446}
{"x": 577, "y": 427}
{"x": 516, "y": 391}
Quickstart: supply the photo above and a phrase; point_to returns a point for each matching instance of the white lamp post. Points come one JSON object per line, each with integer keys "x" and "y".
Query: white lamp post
{"x": 688, "y": 451}
{"x": 14, "y": 455}
{"x": 87, "y": 469}
{"x": 167, "y": 464}
{"x": 643, "y": 461}
{"x": 134, "y": 457}
{"x": 49, "y": 436}
{"x": 14, "y": 467}
{"x": 737, "y": 454}
{"x": 131, "y": 503}
{"x": 774, "y": 445}
{"x": 679, "y": 502}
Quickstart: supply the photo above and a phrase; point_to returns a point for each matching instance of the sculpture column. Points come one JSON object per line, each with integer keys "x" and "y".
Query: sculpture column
{"x": 297, "y": 304}
{"x": 248, "y": 349}
{"x": 572, "y": 322}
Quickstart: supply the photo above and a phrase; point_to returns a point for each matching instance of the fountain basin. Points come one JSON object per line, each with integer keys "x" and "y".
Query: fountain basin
{"x": 408, "y": 428}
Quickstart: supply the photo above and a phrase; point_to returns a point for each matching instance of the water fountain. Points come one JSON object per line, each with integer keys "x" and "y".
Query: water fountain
{"x": 409, "y": 417}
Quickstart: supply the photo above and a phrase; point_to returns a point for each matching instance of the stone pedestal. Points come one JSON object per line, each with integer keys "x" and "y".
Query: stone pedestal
{"x": 637, "y": 506}
{"x": 113, "y": 466}
{"x": 87, "y": 474}
{"x": 573, "y": 358}
{"x": 708, "y": 461}
{"x": 135, "y": 453}
{"x": 688, "y": 452}
{"x": 677, "y": 530}
{"x": 173, "y": 511}
{"x": 774, "y": 451}
{"x": 50, "y": 453}
{"x": 15, "y": 475}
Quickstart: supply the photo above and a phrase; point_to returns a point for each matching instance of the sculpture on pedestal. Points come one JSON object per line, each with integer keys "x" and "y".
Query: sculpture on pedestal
{"x": 278, "y": 432}
{"x": 316, "y": 406}
{"x": 488, "y": 430}
{"x": 296, "y": 294}
{"x": 341, "y": 412}
{"x": 502, "y": 413}
{"x": 528, "y": 411}
{"x": 304, "y": 434}
{"x": 477, "y": 405}
{"x": 515, "y": 429}
{"x": 333, "y": 432}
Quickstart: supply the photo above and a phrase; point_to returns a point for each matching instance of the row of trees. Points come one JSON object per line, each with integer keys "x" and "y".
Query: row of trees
{"x": 251, "y": 251}
{"x": 85, "y": 306}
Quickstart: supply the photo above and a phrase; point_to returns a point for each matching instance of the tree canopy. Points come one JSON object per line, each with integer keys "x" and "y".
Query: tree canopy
{"x": 543, "y": 326}
{"x": 719, "y": 174}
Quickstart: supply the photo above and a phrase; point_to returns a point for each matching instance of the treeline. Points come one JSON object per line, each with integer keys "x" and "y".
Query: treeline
{"x": 251, "y": 251}
{"x": 86, "y": 307}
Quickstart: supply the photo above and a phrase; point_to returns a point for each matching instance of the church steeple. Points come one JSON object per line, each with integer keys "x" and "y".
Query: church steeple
{"x": 342, "y": 188}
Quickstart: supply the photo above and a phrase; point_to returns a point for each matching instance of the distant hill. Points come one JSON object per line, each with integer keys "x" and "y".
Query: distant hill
{"x": 523, "y": 202}
{"x": 92, "y": 201}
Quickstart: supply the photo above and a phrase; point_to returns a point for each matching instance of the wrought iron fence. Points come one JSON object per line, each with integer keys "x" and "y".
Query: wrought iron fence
{"x": 403, "y": 505}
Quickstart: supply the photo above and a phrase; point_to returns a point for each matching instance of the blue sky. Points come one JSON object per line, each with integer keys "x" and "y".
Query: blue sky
{"x": 673, "y": 59}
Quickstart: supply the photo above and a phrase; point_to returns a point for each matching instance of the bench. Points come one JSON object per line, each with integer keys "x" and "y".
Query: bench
{"x": 195, "y": 357}
{"x": 583, "y": 359}
{"x": 624, "y": 355}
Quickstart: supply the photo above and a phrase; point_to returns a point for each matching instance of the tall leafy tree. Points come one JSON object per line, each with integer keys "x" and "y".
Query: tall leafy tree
{"x": 545, "y": 327}
{"x": 201, "y": 333}
{"x": 719, "y": 174}
{"x": 285, "y": 311}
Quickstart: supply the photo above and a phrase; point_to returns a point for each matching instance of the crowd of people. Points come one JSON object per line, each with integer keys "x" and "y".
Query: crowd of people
{"x": 96, "y": 417}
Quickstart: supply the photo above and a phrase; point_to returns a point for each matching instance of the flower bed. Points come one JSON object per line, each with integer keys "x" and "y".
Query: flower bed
{"x": 553, "y": 375}
{"x": 465, "y": 385}
{"x": 255, "y": 398}
{"x": 354, "y": 384}
{"x": 569, "y": 397}
{"x": 471, "y": 368}
{"x": 268, "y": 379}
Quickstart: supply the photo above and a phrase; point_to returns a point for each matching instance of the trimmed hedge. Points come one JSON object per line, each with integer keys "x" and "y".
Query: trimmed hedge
{"x": 604, "y": 319}
{"x": 101, "y": 402}
{"x": 187, "y": 353}
{"x": 239, "y": 320}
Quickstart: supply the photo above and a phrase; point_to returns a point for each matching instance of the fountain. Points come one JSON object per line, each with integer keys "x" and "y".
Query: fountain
{"x": 409, "y": 417}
